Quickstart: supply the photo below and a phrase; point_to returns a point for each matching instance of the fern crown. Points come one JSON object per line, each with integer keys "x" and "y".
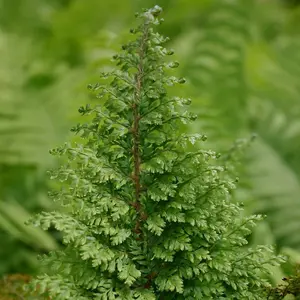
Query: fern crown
{"x": 143, "y": 216}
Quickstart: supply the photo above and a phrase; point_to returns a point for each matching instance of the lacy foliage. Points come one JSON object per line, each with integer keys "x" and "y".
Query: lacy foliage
{"x": 145, "y": 217}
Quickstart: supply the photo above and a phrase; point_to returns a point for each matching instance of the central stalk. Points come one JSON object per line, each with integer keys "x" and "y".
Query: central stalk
{"x": 136, "y": 134}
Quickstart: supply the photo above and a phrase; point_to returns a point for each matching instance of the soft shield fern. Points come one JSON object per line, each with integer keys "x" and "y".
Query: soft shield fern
{"x": 145, "y": 218}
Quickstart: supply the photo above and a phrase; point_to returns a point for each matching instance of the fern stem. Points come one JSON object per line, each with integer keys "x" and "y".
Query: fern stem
{"x": 136, "y": 134}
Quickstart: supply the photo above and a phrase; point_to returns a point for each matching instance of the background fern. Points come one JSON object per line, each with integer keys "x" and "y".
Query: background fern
{"x": 241, "y": 100}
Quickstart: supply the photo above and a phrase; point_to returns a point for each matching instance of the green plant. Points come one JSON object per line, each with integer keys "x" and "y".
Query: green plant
{"x": 35, "y": 102}
{"x": 147, "y": 219}
{"x": 243, "y": 66}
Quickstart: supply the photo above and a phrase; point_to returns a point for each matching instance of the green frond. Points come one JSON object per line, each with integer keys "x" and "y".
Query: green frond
{"x": 146, "y": 218}
{"x": 245, "y": 83}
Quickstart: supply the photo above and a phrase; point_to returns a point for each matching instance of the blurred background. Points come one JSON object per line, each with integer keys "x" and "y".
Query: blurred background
{"x": 241, "y": 59}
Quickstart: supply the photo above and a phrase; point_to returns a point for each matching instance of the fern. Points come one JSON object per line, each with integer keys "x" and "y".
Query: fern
{"x": 35, "y": 100}
{"x": 217, "y": 68}
{"x": 274, "y": 113}
{"x": 146, "y": 218}
{"x": 240, "y": 101}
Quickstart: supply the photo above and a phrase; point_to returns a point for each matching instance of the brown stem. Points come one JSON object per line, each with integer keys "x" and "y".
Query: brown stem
{"x": 150, "y": 278}
{"x": 141, "y": 215}
{"x": 136, "y": 135}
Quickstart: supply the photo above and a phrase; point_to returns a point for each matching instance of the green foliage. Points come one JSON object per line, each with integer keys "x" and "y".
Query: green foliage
{"x": 45, "y": 48}
{"x": 242, "y": 65}
{"x": 144, "y": 217}
{"x": 35, "y": 100}
{"x": 218, "y": 51}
